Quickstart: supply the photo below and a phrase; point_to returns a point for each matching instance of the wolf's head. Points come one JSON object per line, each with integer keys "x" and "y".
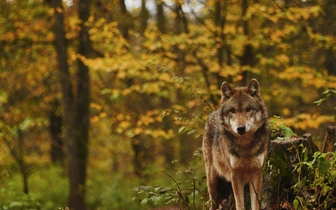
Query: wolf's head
{"x": 242, "y": 108}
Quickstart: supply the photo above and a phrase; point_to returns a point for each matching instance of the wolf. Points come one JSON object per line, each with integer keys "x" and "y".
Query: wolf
{"x": 235, "y": 145}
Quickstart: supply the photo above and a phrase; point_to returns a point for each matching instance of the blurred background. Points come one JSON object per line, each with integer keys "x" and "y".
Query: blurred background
{"x": 141, "y": 78}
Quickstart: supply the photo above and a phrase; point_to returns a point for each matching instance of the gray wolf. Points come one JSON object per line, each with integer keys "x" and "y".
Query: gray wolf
{"x": 235, "y": 145}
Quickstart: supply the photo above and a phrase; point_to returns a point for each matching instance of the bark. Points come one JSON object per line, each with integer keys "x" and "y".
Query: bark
{"x": 22, "y": 163}
{"x": 280, "y": 176}
{"x": 247, "y": 57}
{"x": 138, "y": 160}
{"x": 67, "y": 96}
{"x": 330, "y": 140}
{"x": 178, "y": 22}
{"x": 180, "y": 26}
{"x": 144, "y": 15}
{"x": 17, "y": 153}
{"x": 82, "y": 117}
{"x": 160, "y": 17}
{"x": 55, "y": 129}
{"x": 142, "y": 145}
{"x": 223, "y": 50}
{"x": 125, "y": 19}
{"x": 168, "y": 145}
{"x": 219, "y": 23}
{"x": 75, "y": 110}
{"x": 327, "y": 26}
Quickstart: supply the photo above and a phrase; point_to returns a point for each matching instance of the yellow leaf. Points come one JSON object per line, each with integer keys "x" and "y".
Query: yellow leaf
{"x": 94, "y": 119}
{"x": 137, "y": 130}
{"x": 103, "y": 115}
{"x": 124, "y": 124}
{"x": 95, "y": 106}
{"x": 59, "y": 10}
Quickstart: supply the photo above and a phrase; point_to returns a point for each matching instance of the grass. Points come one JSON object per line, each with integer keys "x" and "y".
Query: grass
{"x": 49, "y": 190}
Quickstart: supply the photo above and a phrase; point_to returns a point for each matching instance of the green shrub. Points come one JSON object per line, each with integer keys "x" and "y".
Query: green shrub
{"x": 186, "y": 189}
{"x": 18, "y": 201}
{"x": 109, "y": 193}
{"x": 48, "y": 190}
{"x": 317, "y": 190}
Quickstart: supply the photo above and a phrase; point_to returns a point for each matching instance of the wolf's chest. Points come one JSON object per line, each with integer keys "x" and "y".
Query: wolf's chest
{"x": 227, "y": 164}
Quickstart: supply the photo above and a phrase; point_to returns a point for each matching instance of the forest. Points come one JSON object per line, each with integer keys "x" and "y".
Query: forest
{"x": 103, "y": 103}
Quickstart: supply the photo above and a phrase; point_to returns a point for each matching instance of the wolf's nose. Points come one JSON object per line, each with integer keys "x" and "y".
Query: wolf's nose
{"x": 241, "y": 129}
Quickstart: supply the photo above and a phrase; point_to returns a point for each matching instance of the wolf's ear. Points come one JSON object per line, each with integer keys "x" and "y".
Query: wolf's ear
{"x": 227, "y": 91}
{"x": 253, "y": 88}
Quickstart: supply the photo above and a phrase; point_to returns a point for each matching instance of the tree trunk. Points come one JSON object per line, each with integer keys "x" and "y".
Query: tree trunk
{"x": 144, "y": 15}
{"x": 178, "y": 22}
{"x": 55, "y": 129}
{"x": 75, "y": 111}
{"x": 138, "y": 160}
{"x": 124, "y": 20}
{"x": 22, "y": 163}
{"x": 219, "y": 23}
{"x": 79, "y": 160}
{"x": 247, "y": 58}
{"x": 223, "y": 50}
{"x": 68, "y": 96}
{"x": 160, "y": 17}
{"x": 16, "y": 151}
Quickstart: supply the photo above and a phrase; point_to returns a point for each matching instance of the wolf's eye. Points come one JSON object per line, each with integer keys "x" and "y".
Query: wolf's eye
{"x": 232, "y": 110}
{"x": 248, "y": 109}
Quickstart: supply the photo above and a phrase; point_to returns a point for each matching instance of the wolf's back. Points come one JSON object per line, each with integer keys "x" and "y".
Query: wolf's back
{"x": 211, "y": 131}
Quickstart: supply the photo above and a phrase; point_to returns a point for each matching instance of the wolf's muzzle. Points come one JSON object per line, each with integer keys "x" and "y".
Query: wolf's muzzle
{"x": 241, "y": 129}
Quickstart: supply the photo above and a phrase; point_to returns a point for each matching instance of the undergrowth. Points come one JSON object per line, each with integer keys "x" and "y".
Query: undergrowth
{"x": 49, "y": 191}
{"x": 316, "y": 189}
{"x": 186, "y": 189}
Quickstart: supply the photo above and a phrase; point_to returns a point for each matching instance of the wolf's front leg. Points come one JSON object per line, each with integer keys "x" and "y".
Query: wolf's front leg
{"x": 212, "y": 181}
{"x": 238, "y": 191}
{"x": 255, "y": 190}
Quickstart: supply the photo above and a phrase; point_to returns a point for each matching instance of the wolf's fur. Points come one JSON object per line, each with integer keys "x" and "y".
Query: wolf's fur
{"x": 235, "y": 145}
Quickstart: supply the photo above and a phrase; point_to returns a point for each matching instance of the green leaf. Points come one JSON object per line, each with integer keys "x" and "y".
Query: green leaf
{"x": 26, "y": 124}
{"x": 323, "y": 167}
{"x": 296, "y": 204}
{"x": 144, "y": 201}
{"x": 319, "y": 102}
{"x": 3, "y": 97}
{"x": 181, "y": 129}
{"x": 288, "y": 133}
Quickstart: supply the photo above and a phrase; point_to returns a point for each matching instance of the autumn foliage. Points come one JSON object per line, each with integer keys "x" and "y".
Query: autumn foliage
{"x": 154, "y": 77}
